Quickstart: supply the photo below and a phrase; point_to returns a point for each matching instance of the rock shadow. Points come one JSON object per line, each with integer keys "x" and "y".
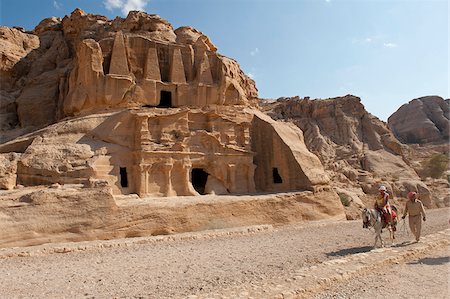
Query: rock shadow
{"x": 432, "y": 261}
{"x": 349, "y": 251}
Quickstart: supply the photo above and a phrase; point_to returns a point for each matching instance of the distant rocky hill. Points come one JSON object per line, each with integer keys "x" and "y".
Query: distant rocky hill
{"x": 358, "y": 150}
{"x": 422, "y": 120}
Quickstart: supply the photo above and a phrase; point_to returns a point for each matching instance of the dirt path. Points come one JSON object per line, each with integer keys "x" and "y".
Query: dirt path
{"x": 177, "y": 268}
{"x": 426, "y": 278}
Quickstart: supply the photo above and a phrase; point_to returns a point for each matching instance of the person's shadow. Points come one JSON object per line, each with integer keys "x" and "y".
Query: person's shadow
{"x": 349, "y": 251}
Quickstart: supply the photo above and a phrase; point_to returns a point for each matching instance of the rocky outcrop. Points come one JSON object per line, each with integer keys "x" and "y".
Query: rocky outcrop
{"x": 70, "y": 213}
{"x": 176, "y": 152}
{"x": 85, "y": 62}
{"x": 358, "y": 151}
{"x": 8, "y": 170}
{"x": 422, "y": 120}
{"x": 32, "y": 96}
{"x": 14, "y": 46}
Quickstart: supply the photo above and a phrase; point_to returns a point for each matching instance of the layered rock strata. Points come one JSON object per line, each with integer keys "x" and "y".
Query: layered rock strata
{"x": 358, "y": 151}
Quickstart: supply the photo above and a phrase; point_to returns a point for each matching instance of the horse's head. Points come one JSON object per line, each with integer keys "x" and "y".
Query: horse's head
{"x": 365, "y": 215}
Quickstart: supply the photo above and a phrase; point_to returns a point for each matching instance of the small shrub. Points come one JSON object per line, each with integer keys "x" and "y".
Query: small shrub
{"x": 344, "y": 200}
{"x": 435, "y": 166}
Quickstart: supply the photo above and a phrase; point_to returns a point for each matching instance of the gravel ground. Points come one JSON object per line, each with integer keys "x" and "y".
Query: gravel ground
{"x": 427, "y": 277}
{"x": 175, "y": 269}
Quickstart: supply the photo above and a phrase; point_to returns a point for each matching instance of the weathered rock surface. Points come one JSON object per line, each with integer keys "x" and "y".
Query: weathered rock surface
{"x": 358, "y": 151}
{"x": 132, "y": 108}
{"x": 72, "y": 213}
{"x": 422, "y": 120}
{"x": 167, "y": 152}
{"x": 85, "y": 62}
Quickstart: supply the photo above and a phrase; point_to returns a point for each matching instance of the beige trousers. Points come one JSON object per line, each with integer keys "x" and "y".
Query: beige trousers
{"x": 415, "y": 224}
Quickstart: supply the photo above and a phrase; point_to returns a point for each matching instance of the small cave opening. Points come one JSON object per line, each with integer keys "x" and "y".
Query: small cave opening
{"x": 276, "y": 176}
{"x": 165, "y": 99}
{"x": 123, "y": 177}
{"x": 199, "y": 178}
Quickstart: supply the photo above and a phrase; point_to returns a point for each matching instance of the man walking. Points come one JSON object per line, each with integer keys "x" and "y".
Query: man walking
{"x": 414, "y": 208}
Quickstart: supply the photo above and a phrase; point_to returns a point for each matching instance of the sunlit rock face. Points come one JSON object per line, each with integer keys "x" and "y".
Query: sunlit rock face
{"x": 141, "y": 61}
{"x": 422, "y": 120}
{"x": 145, "y": 109}
{"x": 86, "y": 62}
{"x": 357, "y": 150}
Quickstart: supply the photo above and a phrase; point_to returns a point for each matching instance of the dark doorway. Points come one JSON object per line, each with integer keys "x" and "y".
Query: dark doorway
{"x": 165, "y": 99}
{"x": 199, "y": 178}
{"x": 276, "y": 176}
{"x": 123, "y": 177}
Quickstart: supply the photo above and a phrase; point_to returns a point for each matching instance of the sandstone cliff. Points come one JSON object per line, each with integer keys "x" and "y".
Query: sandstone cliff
{"x": 105, "y": 117}
{"x": 422, "y": 120}
{"x": 357, "y": 149}
{"x": 139, "y": 117}
{"x": 86, "y": 62}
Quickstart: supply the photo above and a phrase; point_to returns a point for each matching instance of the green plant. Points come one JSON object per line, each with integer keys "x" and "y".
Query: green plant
{"x": 435, "y": 166}
{"x": 344, "y": 199}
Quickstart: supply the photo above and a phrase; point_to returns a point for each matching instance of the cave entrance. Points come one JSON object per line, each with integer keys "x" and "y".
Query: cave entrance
{"x": 165, "y": 100}
{"x": 199, "y": 178}
{"x": 276, "y": 176}
{"x": 123, "y": 177}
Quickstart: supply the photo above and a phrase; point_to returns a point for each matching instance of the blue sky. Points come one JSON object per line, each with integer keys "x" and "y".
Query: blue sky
{"x": 387, "y": 52}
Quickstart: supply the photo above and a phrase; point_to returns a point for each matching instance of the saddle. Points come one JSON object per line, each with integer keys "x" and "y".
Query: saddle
{"x": 385, "y": 217}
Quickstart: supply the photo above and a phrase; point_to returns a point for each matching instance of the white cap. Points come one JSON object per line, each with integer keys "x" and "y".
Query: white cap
{"x": 382, "y": 188}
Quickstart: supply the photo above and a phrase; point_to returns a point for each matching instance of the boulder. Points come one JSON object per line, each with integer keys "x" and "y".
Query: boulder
{"x": 422, "y": 120}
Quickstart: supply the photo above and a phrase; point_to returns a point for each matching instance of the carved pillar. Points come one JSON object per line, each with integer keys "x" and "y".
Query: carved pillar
{"x": 232, "y": 177}
{"x": 119, "y": 63}
{"x": 142, "y": 187}
{"x": 204, "y": 71}
{"x": 177, "y": 74}
{"x": 167, "y": 168}
{"x": 144, "y": 141}
{"x": 187, "y": 167}
{"x": 251, "y": 178}
{"x": 152, "y": 71}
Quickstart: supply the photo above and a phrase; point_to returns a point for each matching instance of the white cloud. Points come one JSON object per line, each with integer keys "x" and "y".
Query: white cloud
{"x": 254, "y": 52}
{"x": 125, "y": 5}
{"x": 390, "y": 45}
{"x": 327, "y": 1}
{"x": 134, "y": 5}
{"x": 112, "y": 4}
{"x": 56, "y": 4}
{"x": 251, "y": 75}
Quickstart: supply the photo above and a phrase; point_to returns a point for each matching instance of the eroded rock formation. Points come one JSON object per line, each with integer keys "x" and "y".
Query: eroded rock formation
{"x": 358, "y": 151}
{"x": 86, "y": 62}
{"x": 181, "y": 117}
{"x": 422, "y": 120}
{"x": 175, "y": 152}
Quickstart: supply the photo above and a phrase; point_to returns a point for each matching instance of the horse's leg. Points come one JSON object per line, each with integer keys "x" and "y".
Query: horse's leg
{"x": 391, "y": 234}
{"x": 378, "y": 236}
{"x": 391, "y": 229}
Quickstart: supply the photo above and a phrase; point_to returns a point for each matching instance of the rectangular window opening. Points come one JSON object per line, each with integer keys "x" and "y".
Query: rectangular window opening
{"x": 123, "y": 177}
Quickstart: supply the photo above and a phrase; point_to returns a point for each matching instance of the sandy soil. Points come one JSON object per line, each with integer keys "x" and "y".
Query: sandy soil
{"x": 191, "y": 267}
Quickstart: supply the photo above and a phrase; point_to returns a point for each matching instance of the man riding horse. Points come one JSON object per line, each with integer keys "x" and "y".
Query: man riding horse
{"x": 387, "y": 212}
